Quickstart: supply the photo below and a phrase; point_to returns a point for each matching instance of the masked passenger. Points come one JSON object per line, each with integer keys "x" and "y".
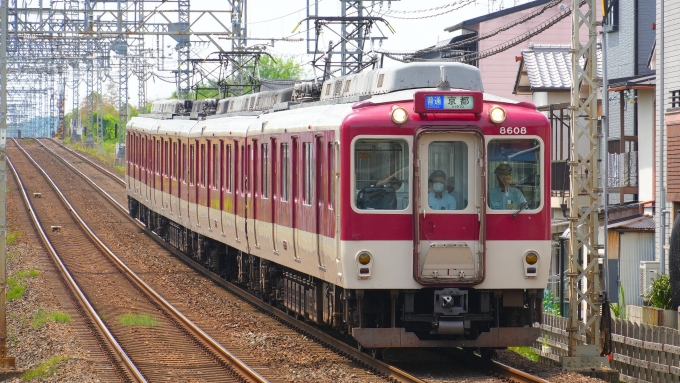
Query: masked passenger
{"x": 438, "y": 198}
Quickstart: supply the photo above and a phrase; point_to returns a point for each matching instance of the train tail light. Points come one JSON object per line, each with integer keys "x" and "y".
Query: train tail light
{"x": 530, "y": 261}
{"x": 364, "y": 264}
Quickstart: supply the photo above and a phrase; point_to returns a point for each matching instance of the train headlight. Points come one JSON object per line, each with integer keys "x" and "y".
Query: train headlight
{"x": 530, "y": 264}
{"x": 399, "y": 115}
{"x": 364, "y": 257}
{"x": 497, "y": 114}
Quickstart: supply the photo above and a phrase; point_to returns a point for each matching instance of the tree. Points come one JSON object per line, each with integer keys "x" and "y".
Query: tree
{"x": 280, "y": 68}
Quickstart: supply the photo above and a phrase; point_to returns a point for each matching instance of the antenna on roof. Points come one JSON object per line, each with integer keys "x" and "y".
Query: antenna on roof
{"x": 443, "y": 81}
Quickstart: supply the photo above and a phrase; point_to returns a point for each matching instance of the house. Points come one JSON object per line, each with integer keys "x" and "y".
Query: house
{"x": 544, "y": 74}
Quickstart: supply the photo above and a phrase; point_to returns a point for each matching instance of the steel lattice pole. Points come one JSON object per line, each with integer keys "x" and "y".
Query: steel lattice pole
{"x": 585, "y": 293}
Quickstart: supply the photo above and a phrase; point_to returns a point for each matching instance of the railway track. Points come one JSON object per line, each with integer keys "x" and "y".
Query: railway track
{"x": 161, "y": 343}
{"x": 116, "y": 193}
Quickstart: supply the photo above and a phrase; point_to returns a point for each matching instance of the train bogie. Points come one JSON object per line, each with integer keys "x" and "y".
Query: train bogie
{"x": 416, "y": 217}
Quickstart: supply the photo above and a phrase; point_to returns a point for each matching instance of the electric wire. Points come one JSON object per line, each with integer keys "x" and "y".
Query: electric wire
{"x": 457, "y": 7}
{"x": 281, "y": 17}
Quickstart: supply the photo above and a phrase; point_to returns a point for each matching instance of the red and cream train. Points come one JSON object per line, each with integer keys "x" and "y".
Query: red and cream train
{"x": 332, "y": 206}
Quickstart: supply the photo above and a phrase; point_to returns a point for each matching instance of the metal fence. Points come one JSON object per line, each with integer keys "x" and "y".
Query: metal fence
{"x": 641, "y": 353}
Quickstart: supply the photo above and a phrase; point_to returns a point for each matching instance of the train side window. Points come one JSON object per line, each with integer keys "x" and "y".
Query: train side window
{"x": 229, "y": 174}
{"x": 184, "y": 169}
{"x": 204, "y": 165}
{"x": 265, "y": 171}
{"x": 174, "y": 160}
{"x": 284, "y": 171}
{"x": 381, "y": 174}
{"x": 216, "y": 167}
{"x": 158, "y": 157}
{"x": 192, "y": 161}
{"x": 307, "y": 177}
{"x": 166, "y": 166}
{"x": 331, "y": 175}
{"x": 514, "y": 167}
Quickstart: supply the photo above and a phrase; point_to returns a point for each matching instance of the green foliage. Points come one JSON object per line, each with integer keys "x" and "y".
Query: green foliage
{"x": 619, "y": 309}
{"x": 44, "y": 369}
{"x": 12, "y": 237}
{"x": 10, "y": 255}
{"x": 280, "y": 68}
{"x": 42, "y": 317}
{"x": 141, "y": 320}
{"x": 550, "y": 304}
{"x": 526, "y": 352}
{"x": 660, "y": 293}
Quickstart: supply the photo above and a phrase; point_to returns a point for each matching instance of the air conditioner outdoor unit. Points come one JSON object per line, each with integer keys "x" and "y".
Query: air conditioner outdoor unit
{"x": 649, "y": 270}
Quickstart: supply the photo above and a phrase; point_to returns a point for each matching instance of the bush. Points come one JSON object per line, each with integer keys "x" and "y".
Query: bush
{"x": 550, "y": 304}
{"x": 659, "y": 295}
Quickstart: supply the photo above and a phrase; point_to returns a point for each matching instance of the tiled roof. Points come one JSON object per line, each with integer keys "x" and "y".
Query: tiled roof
{"x": 548, "y": 67}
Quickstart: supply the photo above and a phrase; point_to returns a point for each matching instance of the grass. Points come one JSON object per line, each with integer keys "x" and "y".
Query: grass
{"x": 106, "y": 153}
{"x": 42, "y": 317}
{"x": 526, "y": 352}
{"x": 141, "y": 320}
{"x": 12, "y": 237}
{"x": 44, "y": 369}
{"x": 10, "y": 255}
{"x": 27, "y": 273}
{"x": 16, "y": 290}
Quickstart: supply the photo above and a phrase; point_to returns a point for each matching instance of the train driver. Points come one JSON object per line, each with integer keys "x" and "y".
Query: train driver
{"x": 438, "y": 198}
{"x": 503, "y": 197}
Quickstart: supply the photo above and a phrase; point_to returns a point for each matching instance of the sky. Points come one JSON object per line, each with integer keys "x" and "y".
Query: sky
{"x": 277, "y": 19}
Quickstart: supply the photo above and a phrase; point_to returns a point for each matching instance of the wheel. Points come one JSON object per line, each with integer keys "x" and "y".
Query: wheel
{"x": 376, "y": 353}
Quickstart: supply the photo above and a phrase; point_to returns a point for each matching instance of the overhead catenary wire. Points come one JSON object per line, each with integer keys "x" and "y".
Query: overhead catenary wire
{"x": 281, "y": 17}
{"x": 487, "y": 35}
{"x": 496, "y": 49}
{"x": 458, "y": 6}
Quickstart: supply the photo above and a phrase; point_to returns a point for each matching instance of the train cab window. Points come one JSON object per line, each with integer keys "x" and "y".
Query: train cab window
{"x": 265, "y": 171}
{"x": 447, "y": 175}
{"x": 514, "y": 181}
{"x": 285, "y": 160}
{"x": 381, "y": 174}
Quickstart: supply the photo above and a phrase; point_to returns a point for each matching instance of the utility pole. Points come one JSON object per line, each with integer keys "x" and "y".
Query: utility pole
{"x": 585, "y": 292}
{"x": 5, "y": 361}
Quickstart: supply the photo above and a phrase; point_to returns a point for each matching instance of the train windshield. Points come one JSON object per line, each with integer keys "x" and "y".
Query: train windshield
{"x": 381, "y": 174}
{"x": 514, "y": 180}
{"x": 447, "y": 175}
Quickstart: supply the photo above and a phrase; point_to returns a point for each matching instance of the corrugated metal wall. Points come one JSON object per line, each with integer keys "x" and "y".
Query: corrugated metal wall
{"x": 634, "y": 247}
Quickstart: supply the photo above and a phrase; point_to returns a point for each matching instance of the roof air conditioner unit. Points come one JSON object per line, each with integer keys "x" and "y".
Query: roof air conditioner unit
{"x": 649, "y": 270}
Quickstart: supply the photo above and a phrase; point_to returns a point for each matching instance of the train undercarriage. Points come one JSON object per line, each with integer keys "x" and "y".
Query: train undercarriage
{"x": 377, "y": 319}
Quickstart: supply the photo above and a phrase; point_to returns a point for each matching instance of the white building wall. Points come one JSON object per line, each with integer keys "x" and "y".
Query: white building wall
{"x": 646, "y": 105}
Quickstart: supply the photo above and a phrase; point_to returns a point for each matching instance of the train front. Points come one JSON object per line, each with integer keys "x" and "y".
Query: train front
{"x": 445, "y": 233}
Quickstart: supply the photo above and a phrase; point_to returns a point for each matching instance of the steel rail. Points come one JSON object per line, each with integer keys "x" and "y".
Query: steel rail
{"x": 239, "y": 367}
{"x": 114, "y": 347}
{"x": 89, "y": 161}
{"x": 353, "y": 353}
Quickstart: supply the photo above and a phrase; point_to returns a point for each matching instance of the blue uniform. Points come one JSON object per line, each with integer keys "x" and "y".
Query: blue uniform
{"x": 505, "y": 200}
{"x": 446, "y": 202}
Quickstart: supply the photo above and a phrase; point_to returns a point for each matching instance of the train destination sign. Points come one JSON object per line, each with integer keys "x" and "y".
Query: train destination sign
{"x": 448, "y": 102}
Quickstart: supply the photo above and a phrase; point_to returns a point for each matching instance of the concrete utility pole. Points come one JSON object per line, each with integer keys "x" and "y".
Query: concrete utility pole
{"x": 585, "y": 292}
{"x": 5, "y": 361}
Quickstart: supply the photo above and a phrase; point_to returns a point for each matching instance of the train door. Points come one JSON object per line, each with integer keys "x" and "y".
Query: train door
{"x": 174, "y": 179}
{"x": 183, "y": 188}
{"x": 156, "y": 171}
{"x": 272, "y": 177}
{"x": 228, "y": 195}
{"x": 449, "y": 241}
{"x": 255, "y": 185}
{"x": 198, "y": 171}
{"x": 295, "y": 173}
{"x": 283, "y": 208}
{"x": 165, "y": 175}
{"x": 213, "y": 168}
{"x": 318, "y": 199}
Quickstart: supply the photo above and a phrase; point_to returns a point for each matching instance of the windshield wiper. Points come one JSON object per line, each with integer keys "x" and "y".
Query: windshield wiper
{"x": 522, "y": 207}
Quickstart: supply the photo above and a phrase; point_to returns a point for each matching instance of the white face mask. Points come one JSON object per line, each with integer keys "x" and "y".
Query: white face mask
{"x": 438, "y": 187}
